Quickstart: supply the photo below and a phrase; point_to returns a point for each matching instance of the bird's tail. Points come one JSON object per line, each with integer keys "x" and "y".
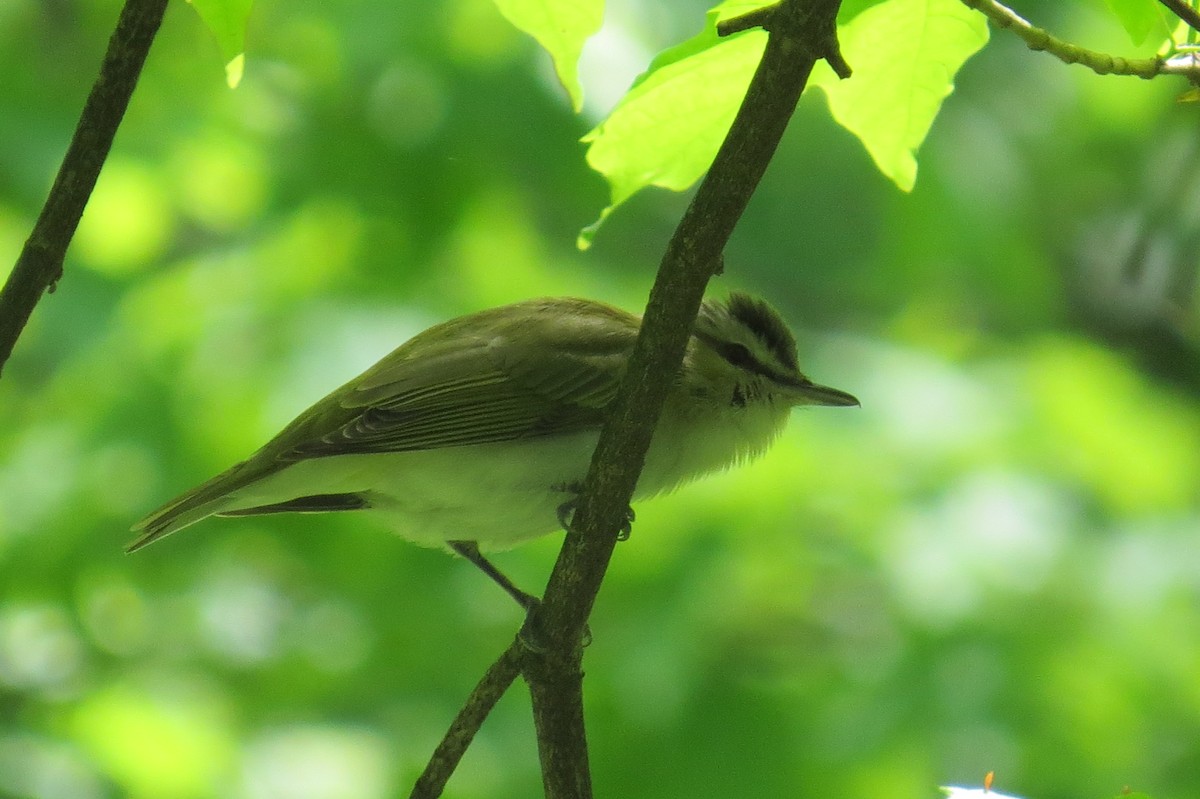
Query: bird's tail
{"x": 186, "y": 509}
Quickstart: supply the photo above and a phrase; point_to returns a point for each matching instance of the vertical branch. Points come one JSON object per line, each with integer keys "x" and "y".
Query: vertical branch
{"x": 801, "y": 31}
{"x": 551, "y": 645}
{"x": 556, "y": 692}
{"x": 40, "y": 263}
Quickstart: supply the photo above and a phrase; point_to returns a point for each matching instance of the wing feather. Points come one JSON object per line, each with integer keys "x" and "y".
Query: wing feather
{"x": 540, "y": 375}
{"x": 539, "y": 368}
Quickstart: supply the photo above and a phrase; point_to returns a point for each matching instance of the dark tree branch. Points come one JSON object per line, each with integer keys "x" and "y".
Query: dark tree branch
{"x": 1184, "y": 11}
{"x": 555, "y": 679}
{"x": 468, "y": 721}
{"x": 754, "y": 19}
{"x": 40, "y": 263}
{"x": 801, "y": 32}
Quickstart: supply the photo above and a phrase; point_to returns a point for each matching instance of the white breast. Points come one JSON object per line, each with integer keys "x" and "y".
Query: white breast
{"x": 502, "y": 494}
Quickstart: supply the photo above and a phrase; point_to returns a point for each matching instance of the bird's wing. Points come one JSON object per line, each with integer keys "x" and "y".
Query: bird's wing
{"x": 545, "y": 375}
{"x": 549, "y": 368}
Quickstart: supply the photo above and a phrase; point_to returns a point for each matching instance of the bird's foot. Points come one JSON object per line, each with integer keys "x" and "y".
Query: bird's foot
{"x": 470, "y": 551}
{"x": 531, "y": 634}
{"x": 566, "y": 514}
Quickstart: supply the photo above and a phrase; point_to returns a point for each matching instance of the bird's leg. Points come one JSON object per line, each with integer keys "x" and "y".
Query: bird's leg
{"x": 470, "y": 551}
{"x": 529, "y": 634}
{"x": 566, "y": 513}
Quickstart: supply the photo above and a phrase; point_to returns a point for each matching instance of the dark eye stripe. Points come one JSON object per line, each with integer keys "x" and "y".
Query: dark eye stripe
{"x": 739, "y": 355}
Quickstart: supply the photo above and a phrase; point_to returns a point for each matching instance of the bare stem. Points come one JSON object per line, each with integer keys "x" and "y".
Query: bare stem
{"x": 466, "y": 724}
{"x": 1100, "y": 63}
{"x": 40, "y": 263}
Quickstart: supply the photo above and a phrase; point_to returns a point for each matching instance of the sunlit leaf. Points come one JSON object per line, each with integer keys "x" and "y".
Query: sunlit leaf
{"x": 904, "y": 54}
{"x": 227, "y": 21}
{"x": 1139, "y": 17}
{"x": 561, "y": 27}
{"x": 667, "y": 129}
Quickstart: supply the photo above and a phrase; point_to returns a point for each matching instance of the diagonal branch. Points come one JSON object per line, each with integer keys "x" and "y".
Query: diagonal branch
{"x": 801, "y": 32}
{"x": 449, "y": 752}
{"x": 40, "y": 263}
{"x": 1185, "y": 12}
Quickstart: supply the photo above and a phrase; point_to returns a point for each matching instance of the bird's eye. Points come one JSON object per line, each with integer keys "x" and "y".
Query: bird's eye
{"x": 738, "y": 355}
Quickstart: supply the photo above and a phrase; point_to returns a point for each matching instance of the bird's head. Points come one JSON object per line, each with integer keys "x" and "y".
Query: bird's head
{"x": 744, "y": 347}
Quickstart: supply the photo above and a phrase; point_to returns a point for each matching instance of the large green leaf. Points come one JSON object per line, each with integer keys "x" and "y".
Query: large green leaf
{"x": 905, "y": 54}
{"x": 667, "y": 129}
{"x": 1139, "y": 18}
{"x": 227, "y": 21}
{"x": 561, "y": 27}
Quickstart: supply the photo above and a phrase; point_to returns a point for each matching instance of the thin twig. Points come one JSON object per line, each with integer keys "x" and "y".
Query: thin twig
{"x": 462, "y": 731}
{"x": 753, "y": 19}
{"x": 39, "y": 266}
{"x": 1038, "y": 39}
{"x": 1185, "y": 64}
{"x": 801, "y": 31}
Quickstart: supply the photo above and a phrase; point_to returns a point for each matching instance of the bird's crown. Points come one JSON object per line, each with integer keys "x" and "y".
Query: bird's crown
{"x": 749, "y": 333}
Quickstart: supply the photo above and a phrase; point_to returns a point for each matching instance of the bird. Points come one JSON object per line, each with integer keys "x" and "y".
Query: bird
{"x": 476, "y": 434}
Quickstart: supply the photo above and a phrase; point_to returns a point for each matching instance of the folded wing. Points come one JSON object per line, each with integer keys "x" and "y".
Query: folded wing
{"x": 550, "y": 370}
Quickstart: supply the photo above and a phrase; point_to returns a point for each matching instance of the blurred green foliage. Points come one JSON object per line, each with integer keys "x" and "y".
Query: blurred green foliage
{"x": 995, "y": 564}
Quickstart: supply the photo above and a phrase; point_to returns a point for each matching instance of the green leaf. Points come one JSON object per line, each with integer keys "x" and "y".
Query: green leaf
{"x": 227, "y": 21}
{"x": 561, "y": 27}
{"x": 904, "y": 54}
{"x": 1139, "y": 18}
{"x": 667, "y": 129}
{"x": 732, "y": 9}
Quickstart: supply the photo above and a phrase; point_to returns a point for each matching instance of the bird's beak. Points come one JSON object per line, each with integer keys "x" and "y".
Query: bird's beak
{"x": 808, "y": 393}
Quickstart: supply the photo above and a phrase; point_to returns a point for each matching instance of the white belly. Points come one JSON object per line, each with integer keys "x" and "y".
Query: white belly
{"x": 496, "y": 494}
{"x": 500, "y": 494}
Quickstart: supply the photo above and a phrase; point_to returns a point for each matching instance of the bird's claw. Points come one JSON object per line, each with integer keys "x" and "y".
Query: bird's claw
{"x": 627, "y": 526}
{"x": 566, "y": 512}
{"x": 566, "y": 515}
